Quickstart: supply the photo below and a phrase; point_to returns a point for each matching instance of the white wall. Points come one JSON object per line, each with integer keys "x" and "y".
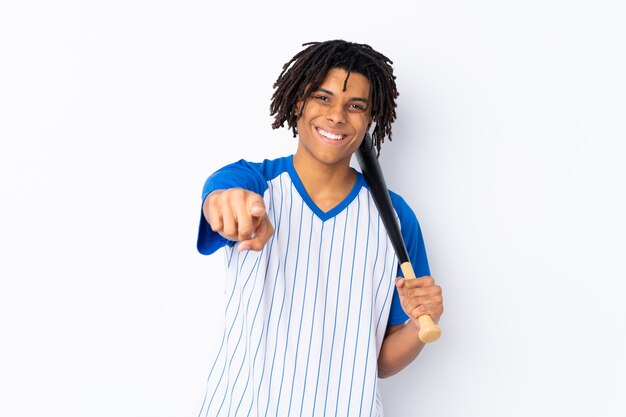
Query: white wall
{"x": 509, "y": 145}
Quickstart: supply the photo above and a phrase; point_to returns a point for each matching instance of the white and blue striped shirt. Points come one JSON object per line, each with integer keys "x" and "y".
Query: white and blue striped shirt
{"x": 305, "y": 317}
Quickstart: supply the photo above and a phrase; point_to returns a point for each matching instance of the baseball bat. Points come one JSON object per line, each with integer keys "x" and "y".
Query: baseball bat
{"x": 429, "y": 331}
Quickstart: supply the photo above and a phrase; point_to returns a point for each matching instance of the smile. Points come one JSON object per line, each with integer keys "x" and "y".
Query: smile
{"x": 330, "y": 136}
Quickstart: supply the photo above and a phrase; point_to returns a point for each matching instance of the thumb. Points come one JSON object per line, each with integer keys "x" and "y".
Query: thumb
{"x": 400, "y": 282}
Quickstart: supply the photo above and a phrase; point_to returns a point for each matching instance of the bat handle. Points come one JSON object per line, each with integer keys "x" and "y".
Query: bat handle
{"x": 429, "y": 331}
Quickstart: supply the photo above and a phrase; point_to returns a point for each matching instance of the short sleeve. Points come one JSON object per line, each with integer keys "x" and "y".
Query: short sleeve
{"x": 414, "y": 241}
{"x": 241, "y": 174}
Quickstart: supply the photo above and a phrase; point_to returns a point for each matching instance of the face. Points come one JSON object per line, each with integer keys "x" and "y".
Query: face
{"x": 334, "y": 122}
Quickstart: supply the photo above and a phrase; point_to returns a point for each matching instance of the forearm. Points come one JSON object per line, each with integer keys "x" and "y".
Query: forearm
{"x": 399, "y": 349}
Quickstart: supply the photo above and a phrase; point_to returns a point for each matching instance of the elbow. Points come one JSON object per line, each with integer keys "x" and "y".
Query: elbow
{"x": 386, "y": 372}
{"x": 383, "y": 375}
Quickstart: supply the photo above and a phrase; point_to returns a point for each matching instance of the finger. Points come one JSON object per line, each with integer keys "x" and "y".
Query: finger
{"x": 244, "y": 224}
{"x": 425, "y": 281}
{"x": 418, "y": 311}
{"x": 265, "y": 228}
{"x": 214, "y": 215}
{"x": 423, "y": 291}
{"x": 244, "y": 227}
{"x": 229, "y": 223}
{"x": 244, "y": 245}
{"x": 255, "y": 244}
{"x": 433, "y": 302}
{"x": 400, "y": 282}
{"x": 412, "y": 302}
{"x": 426, "y": 308}
{"x": 433, "y": 310}
{"x": 261, "y": 235}
{"x": 256, "y": 206}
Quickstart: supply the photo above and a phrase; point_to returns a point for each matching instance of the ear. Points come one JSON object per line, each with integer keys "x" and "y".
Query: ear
{"x": 298, "y": 108}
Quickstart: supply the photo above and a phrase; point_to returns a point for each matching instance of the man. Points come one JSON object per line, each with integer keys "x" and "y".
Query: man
{"x": 314, "y": 311}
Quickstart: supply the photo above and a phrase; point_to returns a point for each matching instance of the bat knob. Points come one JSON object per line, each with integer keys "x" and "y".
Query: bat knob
{"x": 429, "y": 331}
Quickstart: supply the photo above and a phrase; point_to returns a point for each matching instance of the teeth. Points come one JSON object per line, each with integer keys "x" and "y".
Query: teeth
{"x": 329, "y": 135}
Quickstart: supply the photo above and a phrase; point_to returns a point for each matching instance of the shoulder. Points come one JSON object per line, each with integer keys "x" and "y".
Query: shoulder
{"x": 412, "y": 235}
{"x": 252, "y": 176}
{"x": 272, "y": 168}
{"x": 406, "y": 215}
{"x": 267, "y": 169}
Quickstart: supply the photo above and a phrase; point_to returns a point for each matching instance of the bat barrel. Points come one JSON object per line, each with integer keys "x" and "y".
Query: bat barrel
{"x": 378, "y": 188}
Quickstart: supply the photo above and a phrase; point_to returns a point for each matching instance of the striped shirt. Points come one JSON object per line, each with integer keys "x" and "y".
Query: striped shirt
{"x": 306, "y": 316}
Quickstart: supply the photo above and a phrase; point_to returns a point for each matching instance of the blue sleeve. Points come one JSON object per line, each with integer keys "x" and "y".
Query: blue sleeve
{"x": 240, "y": 174}
{"x": 414, "y": 241}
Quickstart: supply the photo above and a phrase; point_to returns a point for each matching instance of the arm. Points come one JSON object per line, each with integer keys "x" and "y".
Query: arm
{"x": 227, "y": 194}
{"x": 238, "y": 215}
{"x": 401, "y": 344}
{"x": 412, "y": 299}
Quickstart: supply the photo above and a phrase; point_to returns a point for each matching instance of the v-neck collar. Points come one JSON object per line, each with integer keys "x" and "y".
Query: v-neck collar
{"x": 323, "y": 215}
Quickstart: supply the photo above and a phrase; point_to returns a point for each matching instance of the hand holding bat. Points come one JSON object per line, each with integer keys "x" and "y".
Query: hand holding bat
{"x": 420, "y": 297}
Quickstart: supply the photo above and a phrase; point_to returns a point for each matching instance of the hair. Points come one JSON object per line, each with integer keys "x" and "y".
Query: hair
{"x": 303, "y": 74}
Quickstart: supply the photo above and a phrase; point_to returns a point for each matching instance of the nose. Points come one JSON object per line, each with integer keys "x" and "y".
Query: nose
{"x": 336, "y": 113}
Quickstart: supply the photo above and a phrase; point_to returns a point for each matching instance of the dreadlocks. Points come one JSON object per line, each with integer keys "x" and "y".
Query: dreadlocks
{"x": 303, "y": 74}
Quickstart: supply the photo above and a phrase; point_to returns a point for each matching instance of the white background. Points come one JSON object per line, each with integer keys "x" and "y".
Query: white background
{"x": 509, "y": 145}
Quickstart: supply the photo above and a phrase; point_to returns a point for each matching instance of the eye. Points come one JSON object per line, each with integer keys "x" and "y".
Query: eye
{"x": 321, "y": 97}
{"x": 356, "y": 107}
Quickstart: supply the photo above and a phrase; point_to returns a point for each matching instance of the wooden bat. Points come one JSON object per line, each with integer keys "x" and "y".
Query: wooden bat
{"x": 429, "y": 331}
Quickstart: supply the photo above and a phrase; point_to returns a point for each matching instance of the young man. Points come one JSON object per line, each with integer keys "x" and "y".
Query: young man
{"x": 315, "y": 312}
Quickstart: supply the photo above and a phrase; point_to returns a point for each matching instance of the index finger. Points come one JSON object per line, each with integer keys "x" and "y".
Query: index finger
{"x": 423, "y": 281}
{"x": 256, "y": 206}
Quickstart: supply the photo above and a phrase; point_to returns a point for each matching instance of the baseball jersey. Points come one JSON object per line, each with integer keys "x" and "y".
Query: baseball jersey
{"x": 305, "y": 317}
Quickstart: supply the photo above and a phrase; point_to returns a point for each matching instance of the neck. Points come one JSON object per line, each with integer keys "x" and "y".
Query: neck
{"x": 327, "y": 185}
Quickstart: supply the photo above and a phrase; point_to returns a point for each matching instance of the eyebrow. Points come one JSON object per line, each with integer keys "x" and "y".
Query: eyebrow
{"x": 364, "y": 100}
